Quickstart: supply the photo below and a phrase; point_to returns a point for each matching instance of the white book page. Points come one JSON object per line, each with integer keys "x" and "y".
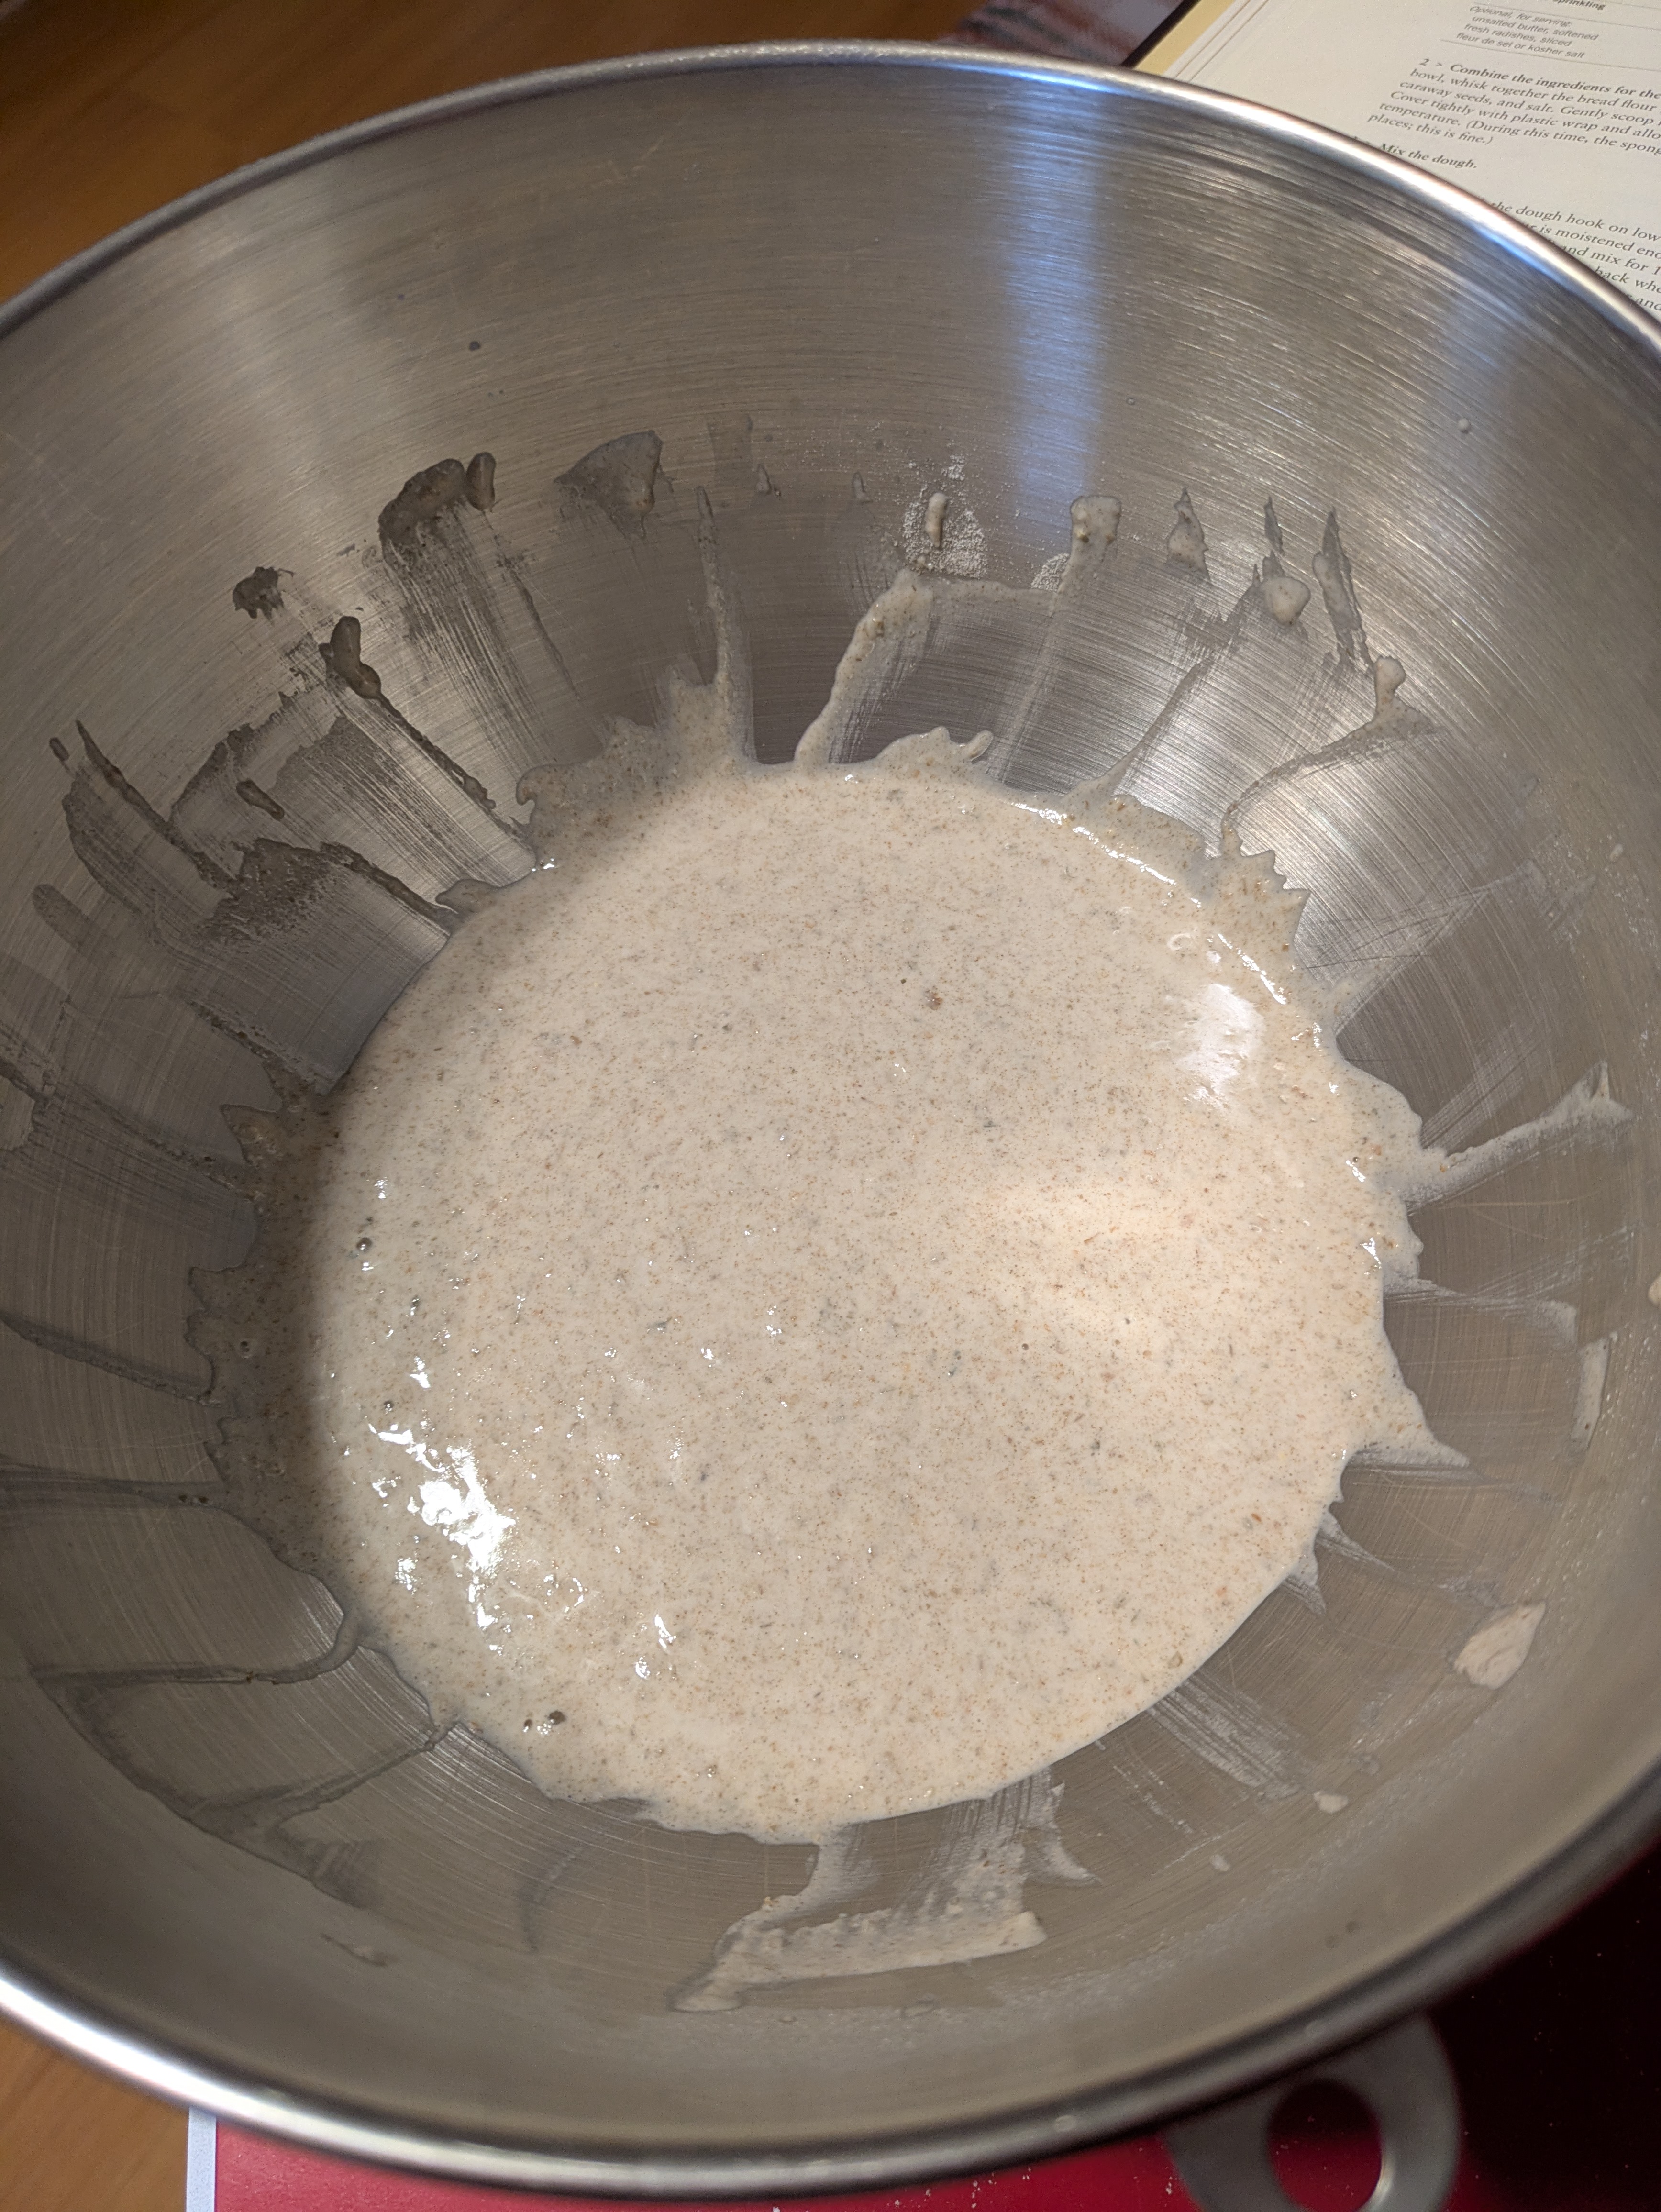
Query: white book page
{"x": 1551, "y": 109}
{"x": 201, "y": 2162}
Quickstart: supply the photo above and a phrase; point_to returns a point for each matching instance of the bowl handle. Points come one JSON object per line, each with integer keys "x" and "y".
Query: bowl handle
{"x": 1403, "y": 2078}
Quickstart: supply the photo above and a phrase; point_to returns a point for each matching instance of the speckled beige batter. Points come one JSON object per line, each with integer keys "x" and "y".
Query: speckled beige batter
{"x": 841, "y": 1288}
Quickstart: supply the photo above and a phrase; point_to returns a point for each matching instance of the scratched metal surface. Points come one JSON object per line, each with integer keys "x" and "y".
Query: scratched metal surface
{"x": 751, "y": 321}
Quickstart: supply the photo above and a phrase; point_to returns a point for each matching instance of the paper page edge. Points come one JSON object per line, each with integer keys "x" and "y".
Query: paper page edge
{"x": 1185, "y": 35}
{"x": 201, "y": 2161}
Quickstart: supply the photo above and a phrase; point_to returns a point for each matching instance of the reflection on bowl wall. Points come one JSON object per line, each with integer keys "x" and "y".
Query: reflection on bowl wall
{"x": 719, "y": 348}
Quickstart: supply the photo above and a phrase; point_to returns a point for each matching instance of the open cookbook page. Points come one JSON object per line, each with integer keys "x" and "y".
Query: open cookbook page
{"x": 1550, "y": 110}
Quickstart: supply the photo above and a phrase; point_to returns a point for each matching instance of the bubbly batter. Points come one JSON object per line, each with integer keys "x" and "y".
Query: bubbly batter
{"x": 840, "y": 1288}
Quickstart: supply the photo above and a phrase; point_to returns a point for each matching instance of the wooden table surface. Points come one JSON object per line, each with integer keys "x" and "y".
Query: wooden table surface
{"x": 109, "y": 108}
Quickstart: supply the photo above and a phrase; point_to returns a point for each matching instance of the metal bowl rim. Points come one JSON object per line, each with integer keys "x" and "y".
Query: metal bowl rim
{"x": 1610, "y": 304}
{"x": 1295, "y": 2044}
{"x": 1505, "y": 1924}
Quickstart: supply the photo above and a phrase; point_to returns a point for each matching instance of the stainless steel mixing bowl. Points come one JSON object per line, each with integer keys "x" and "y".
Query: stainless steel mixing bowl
{"x": 735, "y": 323}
